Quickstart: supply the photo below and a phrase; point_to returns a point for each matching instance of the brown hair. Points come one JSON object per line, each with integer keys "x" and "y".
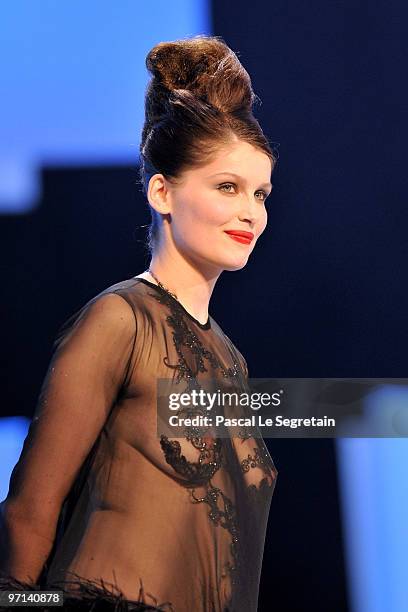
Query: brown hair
{"x": 199, "y": 98}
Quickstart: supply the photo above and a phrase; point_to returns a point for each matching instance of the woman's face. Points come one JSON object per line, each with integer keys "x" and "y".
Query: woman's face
{"x": 226, "y": 195}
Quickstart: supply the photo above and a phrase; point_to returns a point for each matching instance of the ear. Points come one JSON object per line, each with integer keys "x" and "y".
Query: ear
{"x": 158, "y": 194}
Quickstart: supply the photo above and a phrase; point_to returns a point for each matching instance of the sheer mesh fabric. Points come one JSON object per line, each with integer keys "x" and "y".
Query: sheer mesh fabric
{"x": 97, "y": 496}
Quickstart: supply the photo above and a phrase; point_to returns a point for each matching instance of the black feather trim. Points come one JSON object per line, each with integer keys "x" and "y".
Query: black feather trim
{"x": 89, "y": 596}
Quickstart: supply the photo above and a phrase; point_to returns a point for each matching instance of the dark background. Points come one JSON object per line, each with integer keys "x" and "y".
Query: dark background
{"x": 325, "y": 292}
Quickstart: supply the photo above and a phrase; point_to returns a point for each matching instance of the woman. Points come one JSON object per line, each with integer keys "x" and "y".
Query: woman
{"x": 98, "y": 504}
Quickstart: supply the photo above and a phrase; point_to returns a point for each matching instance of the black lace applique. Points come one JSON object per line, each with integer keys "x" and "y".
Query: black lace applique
{"x": 183, "y": 336}
{"x": 260, "y": 459}
{"x": 198, "y": 472}
{"x": 225, "y": 518}
{"x": 258, "y": 493}
{"x": 210, "y": 458}
{"x": 201, "y": 473}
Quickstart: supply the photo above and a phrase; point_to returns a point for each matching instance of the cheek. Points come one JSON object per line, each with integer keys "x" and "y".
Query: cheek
{"x": 263, "y": 221}
{"x": 203, "y": 213}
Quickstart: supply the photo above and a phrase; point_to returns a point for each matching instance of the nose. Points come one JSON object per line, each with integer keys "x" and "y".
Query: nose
{"x": 249, "y": 210}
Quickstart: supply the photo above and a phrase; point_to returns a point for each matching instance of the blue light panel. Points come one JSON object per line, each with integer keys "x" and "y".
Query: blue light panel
{"x": 73, "y": 80}
{"x": 374, "y": 486}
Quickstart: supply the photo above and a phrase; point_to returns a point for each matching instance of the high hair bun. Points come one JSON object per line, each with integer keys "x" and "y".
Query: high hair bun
{"x": 204, "y": 66}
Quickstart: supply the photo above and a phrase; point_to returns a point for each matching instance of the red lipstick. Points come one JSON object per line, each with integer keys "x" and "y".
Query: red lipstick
{"x": 241, "y": 236}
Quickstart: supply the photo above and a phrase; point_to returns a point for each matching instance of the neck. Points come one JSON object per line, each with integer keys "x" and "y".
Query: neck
{"x": 192, "y": 287}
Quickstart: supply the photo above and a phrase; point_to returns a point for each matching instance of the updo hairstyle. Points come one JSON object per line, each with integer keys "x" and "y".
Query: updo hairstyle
{"x": 199, "y": 98}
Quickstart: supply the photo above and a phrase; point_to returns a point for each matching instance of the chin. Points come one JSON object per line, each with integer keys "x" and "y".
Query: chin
{"x": 221, "y": 262}
{"x": 236, "y": 265}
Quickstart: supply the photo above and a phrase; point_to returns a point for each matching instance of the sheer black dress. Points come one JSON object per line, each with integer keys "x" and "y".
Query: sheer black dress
{"x": 102, "y": 507}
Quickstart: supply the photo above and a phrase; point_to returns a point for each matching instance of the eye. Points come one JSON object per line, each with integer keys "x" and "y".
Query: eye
{"x": 226, "y": 185}
{"x": 264, "y": 194}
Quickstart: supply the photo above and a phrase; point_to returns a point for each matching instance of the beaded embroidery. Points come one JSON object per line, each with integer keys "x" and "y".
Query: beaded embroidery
{"x": 201, "y": 472}
{"x": 261, "y": 459}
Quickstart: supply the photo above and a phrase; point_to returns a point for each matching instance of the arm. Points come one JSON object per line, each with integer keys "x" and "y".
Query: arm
{"x": 86, "y": 372}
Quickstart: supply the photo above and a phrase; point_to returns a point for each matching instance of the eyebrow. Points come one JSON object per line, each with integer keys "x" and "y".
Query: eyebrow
{"x": 239, "y": 177}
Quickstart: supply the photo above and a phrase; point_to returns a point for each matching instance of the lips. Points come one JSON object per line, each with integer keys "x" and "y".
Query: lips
{"x": 241, "y": 236}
